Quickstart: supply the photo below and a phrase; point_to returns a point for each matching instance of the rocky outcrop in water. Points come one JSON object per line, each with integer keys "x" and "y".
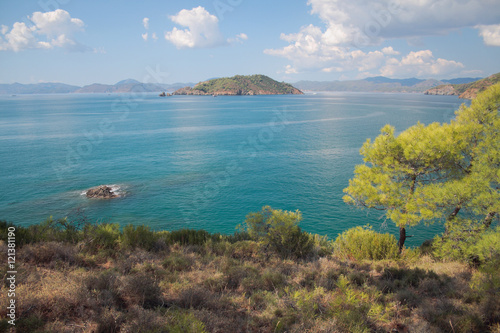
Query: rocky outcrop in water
{"x": 101, "y": 192}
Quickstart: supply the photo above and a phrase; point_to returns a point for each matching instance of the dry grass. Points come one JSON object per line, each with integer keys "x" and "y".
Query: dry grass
{"x": 239, "y": 289}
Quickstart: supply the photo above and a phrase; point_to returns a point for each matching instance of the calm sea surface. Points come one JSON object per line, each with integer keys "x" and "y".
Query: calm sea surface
{"x": 198, "y": 162}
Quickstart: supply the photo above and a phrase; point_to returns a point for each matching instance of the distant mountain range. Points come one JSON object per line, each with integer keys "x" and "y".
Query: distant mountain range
{"x": 379, "y": 84}
{"x": 38, "y": 88}
{"x": 125, "y": 86}
{"x": 371, "y": 84}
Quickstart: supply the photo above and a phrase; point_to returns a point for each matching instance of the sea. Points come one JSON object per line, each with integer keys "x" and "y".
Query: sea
{"x": 199, "y": 162}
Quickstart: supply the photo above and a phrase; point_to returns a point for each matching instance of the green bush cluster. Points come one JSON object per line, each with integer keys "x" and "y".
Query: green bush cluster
{"x": 109, "y": 236}
{"x": 363, "y": 243}
{"x": 471, "y": 242}
{"x": 468, "y": 241}
{"x": 279, "y": 230}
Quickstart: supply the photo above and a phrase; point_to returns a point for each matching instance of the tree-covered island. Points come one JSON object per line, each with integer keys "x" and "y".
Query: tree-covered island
{"x": 240, "y": 85}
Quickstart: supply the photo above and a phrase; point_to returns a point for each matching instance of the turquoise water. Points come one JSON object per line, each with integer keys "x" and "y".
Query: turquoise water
{"x": 196, "y": 161}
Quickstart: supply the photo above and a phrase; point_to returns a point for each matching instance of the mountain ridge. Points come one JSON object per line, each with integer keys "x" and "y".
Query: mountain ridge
{"x": 378, "y": 84}
{"x": 370, "y": 84}
{"x": 123, "y": 86}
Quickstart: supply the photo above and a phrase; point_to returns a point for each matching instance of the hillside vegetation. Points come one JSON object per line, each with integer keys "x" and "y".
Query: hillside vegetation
{"x": 74, "y": 276}
{"x": 465, "y": 90}
{"x": 240, "y": 85}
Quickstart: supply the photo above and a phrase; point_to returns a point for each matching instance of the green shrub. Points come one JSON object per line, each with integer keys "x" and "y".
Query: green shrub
{"x": 49, "y": 230}
{"x": 261, "y": 300}
{"x": 101, "y": 236}
{"x": 364, "y": 243}
{"x": 358, "y": 278}
{"x": 468, "y": 242}
{"x": 273, "y": 280}
{"x": 177, "y": 262}
{"x": 215, "y": 284}
{"x": 196, "y": 298}
{"x": 182, "y": 321}
{"x": 244, "y": 250}
{"x": 235, "y": 275}
{"x": 141, "y": 289}
{"x": 49, "y": 253}
{"x": 456, "y": 244}
{"x": 4, "y": 325}
{"x": 140, "y": 236}
{"x": 323, "y": 246}
{"x": 487, "y": 249}
{"x": 309, "y": 304}
{"x": 109, "y": 321}
{"x": 237, "y": 237}
{"x": 143, "y": 320}
{"x": 29, "y": 324}
{"x": 279, "y": 230}
{"x": 393, "y": 279}
{"x": 188, "y": 237}
{"x": 104, "y": 288}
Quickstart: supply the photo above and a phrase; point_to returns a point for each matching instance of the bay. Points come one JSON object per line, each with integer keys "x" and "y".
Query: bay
{"x": 196, "y": 161}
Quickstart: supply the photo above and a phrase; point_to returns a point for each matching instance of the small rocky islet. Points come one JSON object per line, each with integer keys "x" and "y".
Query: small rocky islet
{"x": 101, "y": 192}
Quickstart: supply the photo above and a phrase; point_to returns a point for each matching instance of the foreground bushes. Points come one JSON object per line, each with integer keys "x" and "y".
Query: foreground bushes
{"x": 98, "y": 278}
{"x": 279, "y": 230}
{"x": 108, "y": 236}
{"x": 364, "y": 243}
{"x": 469, "y": 242}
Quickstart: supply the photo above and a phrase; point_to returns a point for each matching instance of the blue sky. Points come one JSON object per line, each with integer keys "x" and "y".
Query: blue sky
{"x": 83, "y": 42}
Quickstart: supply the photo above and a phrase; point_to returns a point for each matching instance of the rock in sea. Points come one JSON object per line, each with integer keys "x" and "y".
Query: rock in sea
{"x": 101, "y": 192}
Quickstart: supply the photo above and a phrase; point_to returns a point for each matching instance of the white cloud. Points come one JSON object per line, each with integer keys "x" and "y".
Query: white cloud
{"x": 409, "y": 18}
{"x": 290, "y": 70}
{"x": 238, "y": 39}
{"x": 367, "y": 61}
{"x": 420, "y": 64}
{"x": 490, "y": 34}
{"x": 56, "y": 23}
{"x": 146, "y": 36}
{"x": 145, "y": 23}
{"x": 242, "y": 36}
{"x": 350, "y": 25}
{"x": 332, "y": 69}
{"x": 50, "y": 29}
{"x": 202, "y": 29}
{"x": 19, "y": 38}
{"x": 389, "y": 51}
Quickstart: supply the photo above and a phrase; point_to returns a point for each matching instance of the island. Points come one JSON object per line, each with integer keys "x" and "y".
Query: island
{"x": 465, "y": 90}
{"x": 101, "y": 192}
{"x": 240, "y": 85}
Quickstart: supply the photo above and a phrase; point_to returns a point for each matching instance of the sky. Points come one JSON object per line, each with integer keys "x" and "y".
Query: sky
{"x": 83, "y": 42}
